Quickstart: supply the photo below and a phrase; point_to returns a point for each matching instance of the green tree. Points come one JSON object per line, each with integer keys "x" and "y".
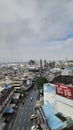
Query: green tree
{"x": 69, "y": 120}
{"x": 31, "y": 62}
{"x": 52, "y": 64}
{"x": 40, "y": 81}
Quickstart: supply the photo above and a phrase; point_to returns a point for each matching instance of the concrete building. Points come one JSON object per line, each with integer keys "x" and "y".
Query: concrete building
{"x": 60, "y": 103}
{"x": 67, "y": 71}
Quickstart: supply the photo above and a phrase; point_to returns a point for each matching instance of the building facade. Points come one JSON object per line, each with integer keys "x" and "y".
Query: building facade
{"x": 60, "y": 98}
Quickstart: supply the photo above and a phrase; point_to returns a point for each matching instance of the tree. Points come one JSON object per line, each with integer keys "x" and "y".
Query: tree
{"x": 52, "y": 64}
{"x": 69, "y": 120}
{"x": 31, "y": 62}
{"x": 40, "y": 81}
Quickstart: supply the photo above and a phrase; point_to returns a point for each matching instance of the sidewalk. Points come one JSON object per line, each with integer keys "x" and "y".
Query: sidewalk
{"x": 9, "y": 124}
{"x": 12, "y": 118}
{"x": 42, "y": 120}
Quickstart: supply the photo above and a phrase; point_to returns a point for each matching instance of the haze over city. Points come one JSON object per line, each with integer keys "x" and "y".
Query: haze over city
{"x": 34, "y": 29}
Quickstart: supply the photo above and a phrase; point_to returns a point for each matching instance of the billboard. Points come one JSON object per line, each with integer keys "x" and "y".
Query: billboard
{"x": 64, "y": 91}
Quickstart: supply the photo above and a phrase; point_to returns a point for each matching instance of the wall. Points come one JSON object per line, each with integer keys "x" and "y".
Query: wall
{"x": 59, "y": 103}
{"x": 64, "y": 105}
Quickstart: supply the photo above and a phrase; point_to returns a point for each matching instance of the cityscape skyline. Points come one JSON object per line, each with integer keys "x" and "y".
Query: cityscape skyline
{"x": 36, "y": 30}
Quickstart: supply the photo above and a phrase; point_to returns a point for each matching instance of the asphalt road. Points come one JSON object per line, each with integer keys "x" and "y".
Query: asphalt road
{"x": 23, "y": 121}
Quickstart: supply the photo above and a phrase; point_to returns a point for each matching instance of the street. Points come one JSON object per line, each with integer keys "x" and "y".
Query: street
{"x": 23, "y": 121}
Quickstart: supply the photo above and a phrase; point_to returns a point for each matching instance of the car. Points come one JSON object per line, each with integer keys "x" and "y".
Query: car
{"x": 34, "y": 127}
{"x": 31, "y": 98}
{"x": 33, "y": 116}
{"x": 7, "y": 120}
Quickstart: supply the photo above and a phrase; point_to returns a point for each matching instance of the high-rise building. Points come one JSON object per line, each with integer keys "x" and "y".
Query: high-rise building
{"x": 45, "y": 63}
{"x": 40, "y": 67}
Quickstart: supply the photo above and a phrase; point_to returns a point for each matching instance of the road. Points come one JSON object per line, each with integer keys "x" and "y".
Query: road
{"x": 23, "y": 121}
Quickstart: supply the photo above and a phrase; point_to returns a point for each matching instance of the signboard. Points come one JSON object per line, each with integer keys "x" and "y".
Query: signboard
{"x": 6, "y": 86}
{"x": 65, "y": 91}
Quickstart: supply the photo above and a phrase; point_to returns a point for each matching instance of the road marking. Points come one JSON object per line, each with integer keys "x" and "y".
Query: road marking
{"x": 27, "y": 107}
{"x": 28, "y": 128}
{"x": 24, "y": 119}
{"x": 29, "y": 113}
{"x": 33, "y": 122}
{"x": 17, "y": 128}
{"x": 25, "y": 113}
{"x": 19, "y": 107}
{"x": 31, "y": 108}
{"x": 23, "y": 107}
{"x": 29, "y": 119}
{"x": 21, "y": 113}
{"x": 23, "y": 128}
{"x": 20, "y": 120}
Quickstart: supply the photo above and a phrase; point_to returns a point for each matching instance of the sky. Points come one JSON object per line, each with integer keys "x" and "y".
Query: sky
{"x": 36, "y": 29}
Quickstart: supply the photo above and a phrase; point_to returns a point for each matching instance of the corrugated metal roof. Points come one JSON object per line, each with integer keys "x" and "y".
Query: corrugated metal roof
{"x": 54, "y": 122}
{"x": 48, "y": 110}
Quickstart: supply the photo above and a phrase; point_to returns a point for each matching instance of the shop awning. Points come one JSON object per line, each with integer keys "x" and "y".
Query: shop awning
{"x": 48, "y": 110}
{"x": 55, "y": 123}
{"x": 9, "y": 110}
{"x": 16, "y": 96}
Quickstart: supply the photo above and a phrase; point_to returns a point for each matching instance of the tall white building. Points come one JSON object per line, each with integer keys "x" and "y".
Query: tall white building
{"x": 60, "y": 98}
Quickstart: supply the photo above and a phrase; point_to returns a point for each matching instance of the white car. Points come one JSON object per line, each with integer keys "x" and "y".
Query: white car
{"x": 31, "y": 98}
{"x": 33, "y": 116}
{"x": 34, "y": 127}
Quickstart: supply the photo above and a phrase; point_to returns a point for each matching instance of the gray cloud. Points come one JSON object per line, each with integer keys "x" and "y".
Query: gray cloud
{"x": 26, "y": 27}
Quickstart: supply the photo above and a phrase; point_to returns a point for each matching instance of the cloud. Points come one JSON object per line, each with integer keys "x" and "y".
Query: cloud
{"x": 68, "y": 43}
{"x": 36, "y": 29}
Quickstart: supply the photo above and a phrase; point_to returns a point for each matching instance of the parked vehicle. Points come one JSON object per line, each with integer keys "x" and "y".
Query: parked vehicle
{"x": 7, "y": 120}
{"x": 33, "y": 116}
{"x": 34, "y": 127}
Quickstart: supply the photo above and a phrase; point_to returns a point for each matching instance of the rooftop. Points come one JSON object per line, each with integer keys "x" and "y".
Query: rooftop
{"x": 65, "y": 79}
